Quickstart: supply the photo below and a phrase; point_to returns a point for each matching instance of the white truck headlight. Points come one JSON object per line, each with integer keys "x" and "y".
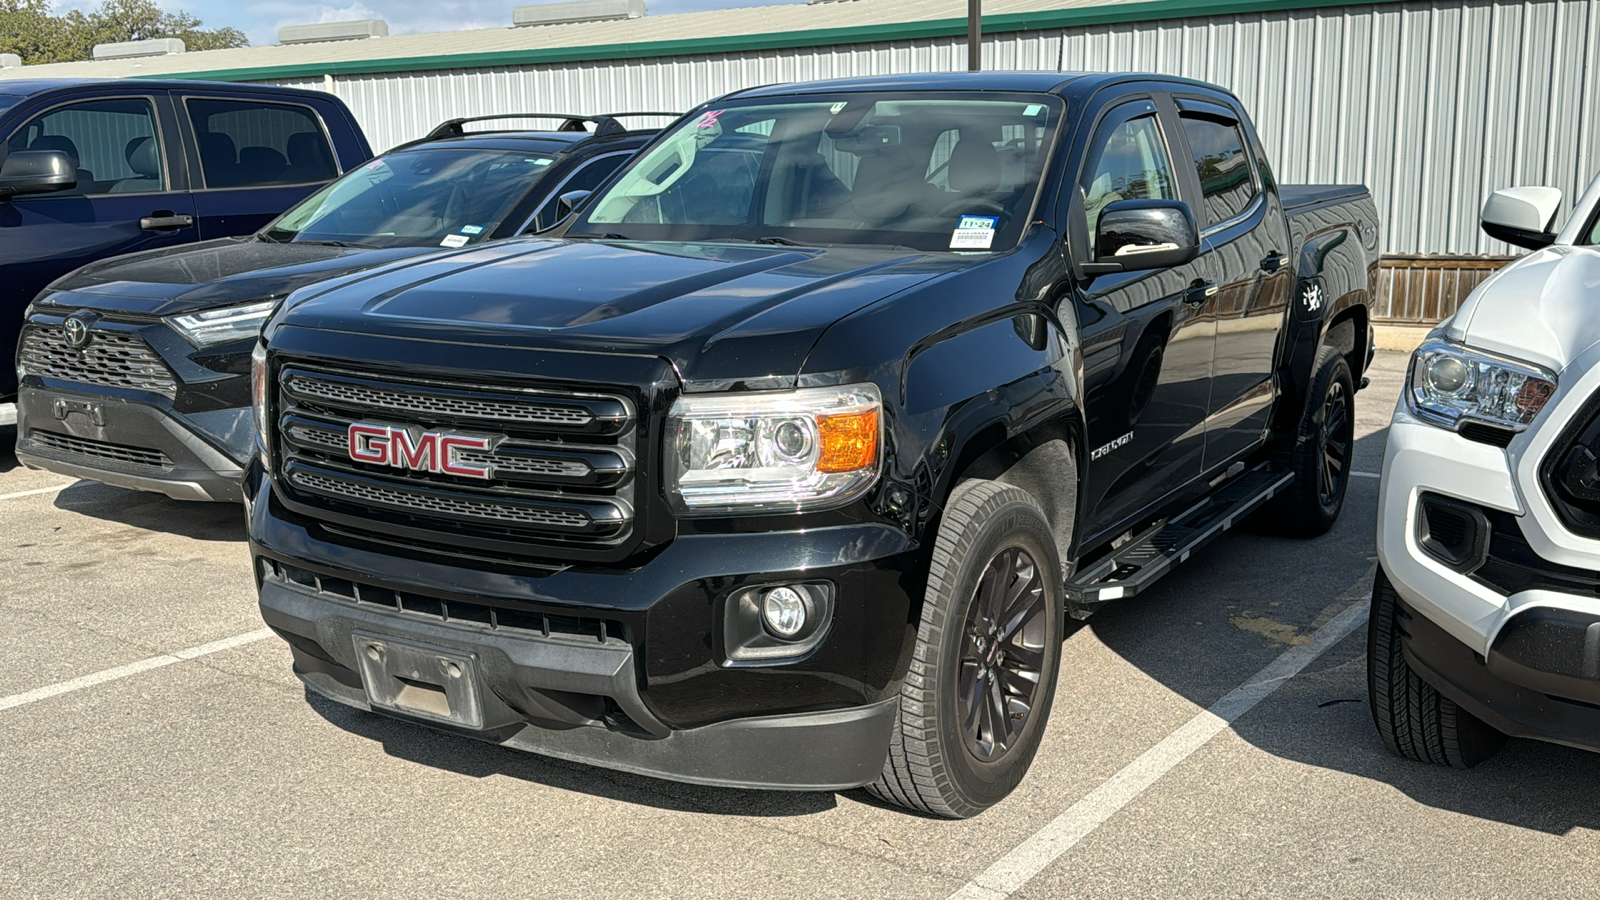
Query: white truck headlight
{"x": 1449, "y": 383}
{"x": 218, "y": 326}
{"x": 778, "y": 451}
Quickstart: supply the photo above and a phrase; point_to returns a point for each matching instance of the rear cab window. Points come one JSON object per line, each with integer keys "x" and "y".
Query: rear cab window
{"x": 1227, "y": 181}
{"x": 113, "y": 143}
{"x": 256, "y": 143}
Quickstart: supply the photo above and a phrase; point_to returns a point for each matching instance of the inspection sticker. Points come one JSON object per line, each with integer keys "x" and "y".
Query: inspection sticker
{"x": 454, "y": 240}
{"x": 974, "y": 233}
{"x": 472, "y": 229}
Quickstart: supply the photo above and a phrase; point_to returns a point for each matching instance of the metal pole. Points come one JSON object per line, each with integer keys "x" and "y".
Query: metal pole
{"x": 974, "y": 35}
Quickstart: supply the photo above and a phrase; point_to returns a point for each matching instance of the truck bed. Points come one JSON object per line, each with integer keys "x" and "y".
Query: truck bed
{"x": 1299, "y": 198}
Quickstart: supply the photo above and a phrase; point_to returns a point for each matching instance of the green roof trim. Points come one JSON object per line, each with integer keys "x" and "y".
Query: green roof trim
{"x": 1073, "y": 17}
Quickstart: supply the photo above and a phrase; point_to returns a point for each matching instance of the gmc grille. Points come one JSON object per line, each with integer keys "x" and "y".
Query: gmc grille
{"x": 559, "y": 464}
{"x": 111, "y": 358}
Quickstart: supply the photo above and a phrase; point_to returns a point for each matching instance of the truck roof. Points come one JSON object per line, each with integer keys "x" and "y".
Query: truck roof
{"x": 24, "y": 87}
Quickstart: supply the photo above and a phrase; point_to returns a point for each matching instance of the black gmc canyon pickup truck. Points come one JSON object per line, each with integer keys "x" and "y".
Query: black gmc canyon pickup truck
{"x": 782, "y": 461}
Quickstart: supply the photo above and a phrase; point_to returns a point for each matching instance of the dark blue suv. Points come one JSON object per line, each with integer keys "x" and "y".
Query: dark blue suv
{"x": 92, "y": 169}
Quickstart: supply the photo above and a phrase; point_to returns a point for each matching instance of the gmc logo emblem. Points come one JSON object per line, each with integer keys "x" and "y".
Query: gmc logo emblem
{"x": 432, "y": 451}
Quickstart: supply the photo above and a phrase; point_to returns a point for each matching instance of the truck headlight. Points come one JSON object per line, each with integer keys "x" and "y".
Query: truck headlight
{"x": 258, "y": 393}
{"x": 218, "y": 326}
{"x": 1449, "y": 383}
{"x": 778, "y": 451}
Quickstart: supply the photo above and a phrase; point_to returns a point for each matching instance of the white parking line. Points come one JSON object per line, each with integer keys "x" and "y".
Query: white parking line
{"x": 133, "y": 668}
{"x": 48, "y": 490}
{"x": 1081, "y": 819}
{"x": 1367, "y": 474}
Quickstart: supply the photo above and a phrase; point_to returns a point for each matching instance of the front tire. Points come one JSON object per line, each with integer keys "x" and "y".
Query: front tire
{"x": 1415, "y": 720}
{"x": 976, "y": 698}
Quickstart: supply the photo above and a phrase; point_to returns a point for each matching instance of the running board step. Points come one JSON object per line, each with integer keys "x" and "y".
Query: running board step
{"x": 1143, "y": 560}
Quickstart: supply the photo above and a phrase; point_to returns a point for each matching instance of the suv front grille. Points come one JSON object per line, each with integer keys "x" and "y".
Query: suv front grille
{"x": 558, "y": 466}
{"x": 111, "y": 358}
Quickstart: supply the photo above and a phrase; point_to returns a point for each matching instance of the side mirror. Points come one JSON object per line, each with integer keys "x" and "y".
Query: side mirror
{"x": 568, "y": 203}
{"x": 1134, "y": 235}
{"x": 36, "y": 172}
{"x": 1523, "y": 216}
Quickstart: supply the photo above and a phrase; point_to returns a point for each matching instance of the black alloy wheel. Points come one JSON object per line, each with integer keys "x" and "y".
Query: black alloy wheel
{"x": 1337, "y": 436}
{"x": 1003, "y": 654}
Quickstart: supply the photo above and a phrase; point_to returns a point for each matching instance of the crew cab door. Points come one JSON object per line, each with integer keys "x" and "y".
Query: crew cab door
{"x": 1246, "y": 243}
{"x": 1147, "y": 342}
{"x": 131, "y": 195}
{"x": 255, "y": 158}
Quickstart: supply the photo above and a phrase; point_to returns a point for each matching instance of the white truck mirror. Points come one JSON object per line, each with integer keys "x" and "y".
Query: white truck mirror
{"x": 1523, "y": 216}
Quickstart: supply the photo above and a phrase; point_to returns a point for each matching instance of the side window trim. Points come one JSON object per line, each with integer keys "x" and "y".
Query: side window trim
{"x": 555, "y": 194}
{"x": 201, "y": 184}
{"x": 156, "y": 122}
{"x": 1206, "y": 108}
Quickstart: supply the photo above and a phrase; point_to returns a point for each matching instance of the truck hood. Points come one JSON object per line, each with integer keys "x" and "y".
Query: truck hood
{"x": 1541, "y": 308}
{"x": 195, "y": 277}
{"x": 718, "y": 312}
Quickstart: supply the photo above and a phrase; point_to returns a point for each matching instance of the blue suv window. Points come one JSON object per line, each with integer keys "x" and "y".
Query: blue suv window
{"x": 112, "y": 143}
{"x": 249, "y": 143}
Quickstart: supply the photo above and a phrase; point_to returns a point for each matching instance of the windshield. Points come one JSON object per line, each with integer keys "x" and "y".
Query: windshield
{"x": 416, "y": 198}
{"x": 922, "y": 170}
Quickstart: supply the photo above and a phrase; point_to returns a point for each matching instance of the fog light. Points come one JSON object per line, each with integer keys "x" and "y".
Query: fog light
{"x": 784, "y": 611}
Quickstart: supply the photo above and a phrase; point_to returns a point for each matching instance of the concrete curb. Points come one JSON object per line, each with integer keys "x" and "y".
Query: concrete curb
{"x": 1403, "y": 338}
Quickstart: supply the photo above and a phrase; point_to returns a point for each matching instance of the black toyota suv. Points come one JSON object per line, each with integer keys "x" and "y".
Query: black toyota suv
{"x": 133, "y": 371}
{"x": 783, "y": 460}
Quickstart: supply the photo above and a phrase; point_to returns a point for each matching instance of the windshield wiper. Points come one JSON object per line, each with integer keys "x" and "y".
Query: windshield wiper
{"x": 777, "y": 240}
{"x": 350, "y": 244}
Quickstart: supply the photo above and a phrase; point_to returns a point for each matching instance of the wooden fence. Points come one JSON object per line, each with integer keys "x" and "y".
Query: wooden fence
{"x": 1423, "y": 290}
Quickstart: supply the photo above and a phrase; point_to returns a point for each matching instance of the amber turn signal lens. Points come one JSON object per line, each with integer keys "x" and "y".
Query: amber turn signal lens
{"x": 849, "y": 442}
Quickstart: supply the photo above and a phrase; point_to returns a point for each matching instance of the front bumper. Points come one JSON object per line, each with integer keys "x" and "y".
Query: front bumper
{"x": 126, "y": 444}
{"x": 620, "y": 667}
{"x": 528, "y": 690}
{"x": 1514, "y": 638}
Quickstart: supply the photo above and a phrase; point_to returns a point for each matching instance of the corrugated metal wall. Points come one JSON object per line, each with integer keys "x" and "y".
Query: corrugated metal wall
{"x": 1432, "y": 105}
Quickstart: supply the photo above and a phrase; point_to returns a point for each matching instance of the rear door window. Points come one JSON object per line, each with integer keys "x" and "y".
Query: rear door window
{"x": 114, "y": 144}
{"x": 1226, "y": 180}
{"x": 251, "y": 143}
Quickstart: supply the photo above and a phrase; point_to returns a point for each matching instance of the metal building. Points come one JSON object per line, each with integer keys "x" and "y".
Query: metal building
{"x": 1431, "y": 104}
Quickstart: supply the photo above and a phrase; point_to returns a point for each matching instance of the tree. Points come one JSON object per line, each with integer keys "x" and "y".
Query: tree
{"x": 29, "y": 29}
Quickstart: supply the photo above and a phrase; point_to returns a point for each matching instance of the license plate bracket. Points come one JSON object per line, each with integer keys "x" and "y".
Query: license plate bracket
{"x": 420, "y": 680}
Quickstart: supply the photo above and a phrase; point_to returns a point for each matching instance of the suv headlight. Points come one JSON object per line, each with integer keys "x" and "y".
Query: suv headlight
{"x": 780, "y": 451}
{"x": 1449, "y": 383}
{"x": 218, "y": 326}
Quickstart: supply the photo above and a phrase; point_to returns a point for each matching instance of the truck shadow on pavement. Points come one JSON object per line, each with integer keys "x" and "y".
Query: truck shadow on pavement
{"x": 155, "y": 512}
{"x": 479, "y": 759}
{"x": 1232, "y": 609}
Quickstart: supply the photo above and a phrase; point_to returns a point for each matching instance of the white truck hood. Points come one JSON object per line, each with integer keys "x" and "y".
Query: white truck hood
{"x": 1543, "y": 308}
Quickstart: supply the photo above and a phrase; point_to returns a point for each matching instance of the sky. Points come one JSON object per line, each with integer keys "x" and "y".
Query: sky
{"x": 261, "y": 19}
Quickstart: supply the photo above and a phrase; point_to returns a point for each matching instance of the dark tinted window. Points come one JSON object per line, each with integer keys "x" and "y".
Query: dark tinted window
{"x": 585, "y": 179}
{"x": 248, "y": 143}
{"x": 1223, "y": 167}
{"x": 113, "y": 144}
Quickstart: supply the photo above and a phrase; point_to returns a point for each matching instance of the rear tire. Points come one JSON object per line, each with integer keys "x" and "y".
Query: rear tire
{"x": 977, "y": 695}
{"x": 1323, "y": 447}
{"x": 1415, "y": 720}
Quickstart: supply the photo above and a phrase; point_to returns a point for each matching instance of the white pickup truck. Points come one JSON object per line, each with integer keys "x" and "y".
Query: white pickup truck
{"x": 1486, "y": 611}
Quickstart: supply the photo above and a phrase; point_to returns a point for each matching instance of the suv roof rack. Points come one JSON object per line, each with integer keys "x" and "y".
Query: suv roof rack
{"x": 604, "y": 125}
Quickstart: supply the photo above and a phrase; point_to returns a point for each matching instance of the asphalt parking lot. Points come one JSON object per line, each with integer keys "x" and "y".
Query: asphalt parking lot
{"x": 154, "y": 743}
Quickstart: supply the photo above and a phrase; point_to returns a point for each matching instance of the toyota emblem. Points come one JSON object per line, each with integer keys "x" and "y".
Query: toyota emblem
{"x": 76, "y": 330}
